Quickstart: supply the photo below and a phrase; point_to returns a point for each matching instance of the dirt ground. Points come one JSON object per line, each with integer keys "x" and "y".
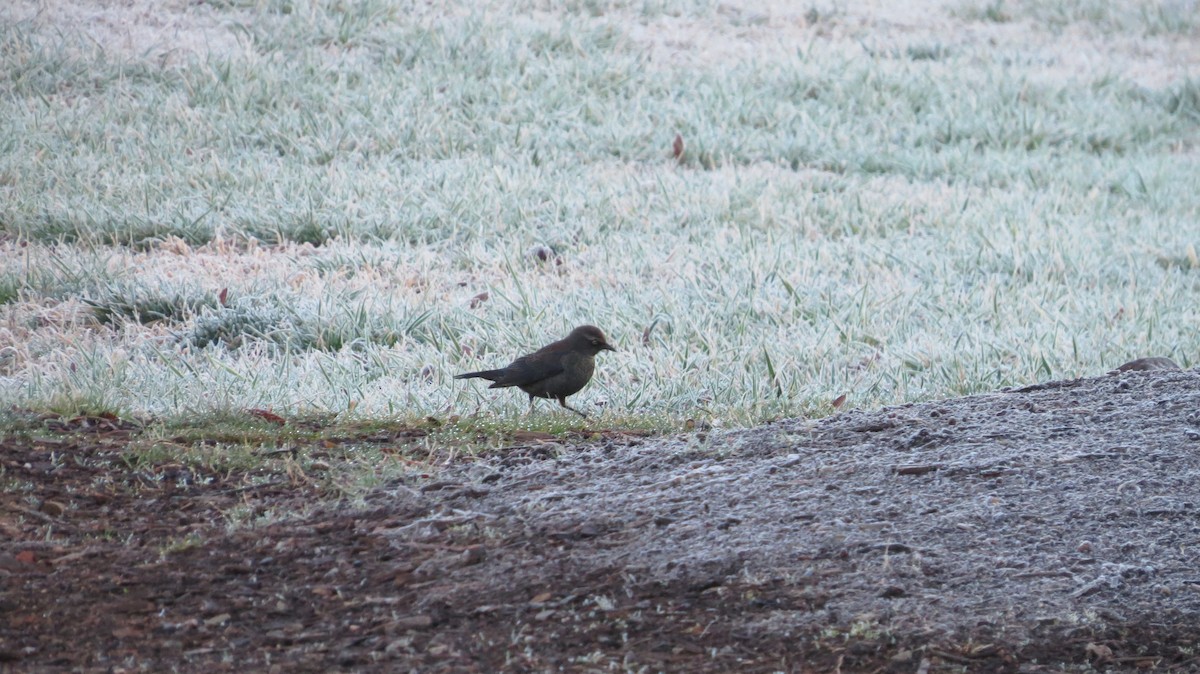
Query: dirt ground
{"x": 1054, "y": 528}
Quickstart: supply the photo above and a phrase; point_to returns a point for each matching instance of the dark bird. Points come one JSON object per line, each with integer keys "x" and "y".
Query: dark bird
{"x": 554, "y": 371}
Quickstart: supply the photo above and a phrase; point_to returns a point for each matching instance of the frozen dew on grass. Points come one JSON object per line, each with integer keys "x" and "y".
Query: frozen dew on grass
{"x": 337, "y": 209}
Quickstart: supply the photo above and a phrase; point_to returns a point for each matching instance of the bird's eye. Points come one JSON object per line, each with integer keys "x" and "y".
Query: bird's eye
{"x": 595, "y": 342}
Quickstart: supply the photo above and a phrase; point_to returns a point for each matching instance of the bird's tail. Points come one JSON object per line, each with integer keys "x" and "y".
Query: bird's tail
{"x": 490, "y": 375}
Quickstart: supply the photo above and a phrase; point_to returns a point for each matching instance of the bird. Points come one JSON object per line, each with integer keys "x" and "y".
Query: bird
{"x": 556, "y": 370}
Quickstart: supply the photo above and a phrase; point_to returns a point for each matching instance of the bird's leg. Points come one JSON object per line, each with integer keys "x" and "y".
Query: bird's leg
{"x": 530, "y": 405}
{"x": 562, "y": 400}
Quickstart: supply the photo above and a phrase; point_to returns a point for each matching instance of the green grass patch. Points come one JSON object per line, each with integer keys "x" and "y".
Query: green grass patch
{"x": 332, "y": 326}
{"x": 119, "y": 305}
{"x": 10, "y": 289}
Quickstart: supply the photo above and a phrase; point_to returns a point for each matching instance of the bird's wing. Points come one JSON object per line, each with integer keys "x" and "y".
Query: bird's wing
{"x": 528, "y": 370}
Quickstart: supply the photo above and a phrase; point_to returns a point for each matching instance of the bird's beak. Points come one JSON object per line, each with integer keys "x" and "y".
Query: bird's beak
{"x": 608, "y": 347}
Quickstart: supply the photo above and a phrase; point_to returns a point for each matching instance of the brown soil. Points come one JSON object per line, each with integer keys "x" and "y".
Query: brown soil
{"x": 1054, "y": 528}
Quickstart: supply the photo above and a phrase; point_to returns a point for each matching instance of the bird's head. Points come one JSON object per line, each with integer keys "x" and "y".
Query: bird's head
{"x": 590, "y": 339}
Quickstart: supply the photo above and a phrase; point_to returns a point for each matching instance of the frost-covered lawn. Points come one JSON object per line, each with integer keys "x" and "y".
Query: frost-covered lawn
{"x": 333, "y": 206}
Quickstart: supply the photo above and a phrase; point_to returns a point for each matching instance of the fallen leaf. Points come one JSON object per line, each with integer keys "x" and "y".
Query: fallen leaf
{"x": 917, "y": 469}
{"x": 25, "y": 557}
{"x": 219, "y": 619}
{"x": 267, "y": 415}
{"x": 677, "y": 148}
{"x": 542, "y": 253}
{"x": 479, "y": 299}
{"x": 1099, "y": 651}
{"x": 222, "y": 296}
{"x": 525, "y": 436}
{"x": 541, "y": 598}
{"x": 839, "y": 401}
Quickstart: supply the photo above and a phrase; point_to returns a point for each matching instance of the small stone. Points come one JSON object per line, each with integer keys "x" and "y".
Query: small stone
{"x": 473, "y": 555}
{"x": 398, "y": 645}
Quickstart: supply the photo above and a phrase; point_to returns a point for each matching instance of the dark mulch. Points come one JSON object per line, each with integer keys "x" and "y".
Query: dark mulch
{"x": 1055, "y": 528}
